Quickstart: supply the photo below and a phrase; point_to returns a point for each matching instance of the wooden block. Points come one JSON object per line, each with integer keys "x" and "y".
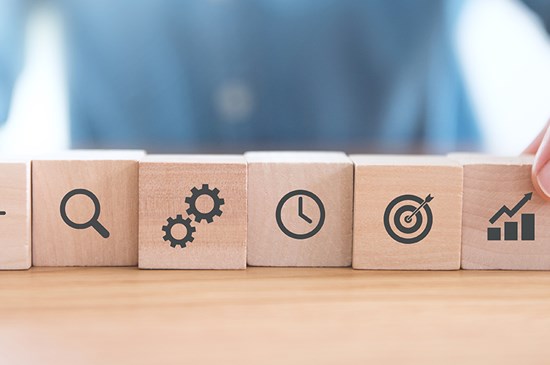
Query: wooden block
{"x": 407, "y": 213}
{"x": 496, "y": 188}
{"x": 300, "y": 208}
{"x": 15, "y": 215}
{"x": 192, "y": 212}
{"x": 85, "y": 208}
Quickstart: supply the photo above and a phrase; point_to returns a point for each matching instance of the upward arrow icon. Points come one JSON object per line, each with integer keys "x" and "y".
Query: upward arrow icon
{"x": 511, "y": 212}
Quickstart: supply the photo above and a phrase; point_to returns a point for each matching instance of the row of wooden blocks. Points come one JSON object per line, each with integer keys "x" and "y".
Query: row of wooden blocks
{"x": 322, "y": 209}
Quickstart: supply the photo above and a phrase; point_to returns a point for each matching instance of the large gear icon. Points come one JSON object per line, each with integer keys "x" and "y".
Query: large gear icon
{"x": 192, "y": 201}
{"x": 168, "y": 231}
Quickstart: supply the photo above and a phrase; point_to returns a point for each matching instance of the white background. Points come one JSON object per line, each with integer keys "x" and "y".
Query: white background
{"x": 503, "y": 49}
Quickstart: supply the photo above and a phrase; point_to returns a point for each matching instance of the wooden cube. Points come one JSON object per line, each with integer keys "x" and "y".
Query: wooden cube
{"x": 85, "y": 209}
{"x": 192, "y": 212}
{"x": 300, "y": 208}
{"x": 15, "y": 215}
{"x": 505, "y": 223}
{"x": 407, "y": 213}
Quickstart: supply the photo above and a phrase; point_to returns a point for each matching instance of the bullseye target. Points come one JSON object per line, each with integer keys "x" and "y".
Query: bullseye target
{"x": 408, "y": 218}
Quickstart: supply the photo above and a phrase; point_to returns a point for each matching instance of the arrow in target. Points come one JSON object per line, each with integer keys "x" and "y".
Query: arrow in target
{"x": 428, "y": 199}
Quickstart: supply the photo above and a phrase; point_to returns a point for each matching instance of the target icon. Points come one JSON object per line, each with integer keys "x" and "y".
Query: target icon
{"x": 408, "y": 218}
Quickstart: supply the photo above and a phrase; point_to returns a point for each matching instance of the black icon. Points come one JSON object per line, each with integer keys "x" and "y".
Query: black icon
{"x": 301, "y": 213}
{"x": 93, "y": 222}
{"x": 511, "y": 228}
{"x": 2, "y": 212}
{"x": 408, "y": 219}
{"x": 192, "y": 201}
{"x": 215, "y": 211}
{"x": 189, "y": 231}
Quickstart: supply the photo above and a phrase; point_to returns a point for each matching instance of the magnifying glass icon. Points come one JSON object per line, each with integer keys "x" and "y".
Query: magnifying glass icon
{"x": 93, "y": 222}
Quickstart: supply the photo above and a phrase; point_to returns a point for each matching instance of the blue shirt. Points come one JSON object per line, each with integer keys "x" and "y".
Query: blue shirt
{"x": 232, "y": 75}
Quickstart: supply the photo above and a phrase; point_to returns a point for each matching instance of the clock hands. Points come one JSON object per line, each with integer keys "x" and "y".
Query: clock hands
{"x": 301, "y": 210}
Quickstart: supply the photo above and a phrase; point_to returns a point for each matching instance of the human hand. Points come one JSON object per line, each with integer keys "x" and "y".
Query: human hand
{"x": 540, "y": 173}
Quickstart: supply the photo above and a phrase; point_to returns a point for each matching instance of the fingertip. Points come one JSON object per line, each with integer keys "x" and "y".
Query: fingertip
{"x": 541, "y": 180}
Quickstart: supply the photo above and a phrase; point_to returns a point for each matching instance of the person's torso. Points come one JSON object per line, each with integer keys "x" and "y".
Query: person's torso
{"x": 237, "y": 74}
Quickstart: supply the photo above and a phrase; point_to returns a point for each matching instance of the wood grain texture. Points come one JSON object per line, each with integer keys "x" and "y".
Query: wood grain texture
{"x": 15, "y": 220}
{"x": 271, "y": 176}
{"x": 113, "y": 178}
{"x": 90, "y": 316}
{"x": 489, "y": 183}
{"x": 381, "y": 179}
{"x": 165, "y": 182}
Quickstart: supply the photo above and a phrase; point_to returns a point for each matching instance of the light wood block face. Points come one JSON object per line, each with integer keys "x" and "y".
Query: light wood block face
{"x": 85, "y": 208}
{"x": 15, "y": 215}
{"x": 506, "y": 225}
{"x": 300, "y": 208}
{"x": 407, "y": 213}
{"x": 192, "y": 212}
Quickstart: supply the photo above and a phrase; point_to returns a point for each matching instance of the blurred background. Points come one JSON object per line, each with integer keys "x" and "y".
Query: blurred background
{"x": 501, "y": 47}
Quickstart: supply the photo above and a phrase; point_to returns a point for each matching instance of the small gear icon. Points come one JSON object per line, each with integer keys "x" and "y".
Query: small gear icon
{"x": 192, "y": 201}
{"x": 168, "y": 231}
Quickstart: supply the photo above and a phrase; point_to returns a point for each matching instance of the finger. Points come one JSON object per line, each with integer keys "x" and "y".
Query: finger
{"x": 534, "y": 146}
{"x": 541, "y": 167}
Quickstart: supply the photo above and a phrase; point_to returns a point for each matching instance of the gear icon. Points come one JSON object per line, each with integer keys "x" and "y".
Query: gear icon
{"x": 192, "y": 201}
{"x": 168, "y": 231}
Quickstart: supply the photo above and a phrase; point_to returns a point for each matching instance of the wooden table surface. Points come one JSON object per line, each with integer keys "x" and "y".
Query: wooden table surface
{"x": 273, "y": 316}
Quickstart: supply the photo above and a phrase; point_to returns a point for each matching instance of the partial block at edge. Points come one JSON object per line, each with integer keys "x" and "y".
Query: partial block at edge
{"x": 15, "y": 215}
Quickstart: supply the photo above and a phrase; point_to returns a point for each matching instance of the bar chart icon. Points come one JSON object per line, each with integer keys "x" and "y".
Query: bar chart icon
{"x": 512, "y": 228}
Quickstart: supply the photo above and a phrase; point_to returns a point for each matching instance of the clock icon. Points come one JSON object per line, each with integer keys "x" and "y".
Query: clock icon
{"x": 306, "y": 210}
